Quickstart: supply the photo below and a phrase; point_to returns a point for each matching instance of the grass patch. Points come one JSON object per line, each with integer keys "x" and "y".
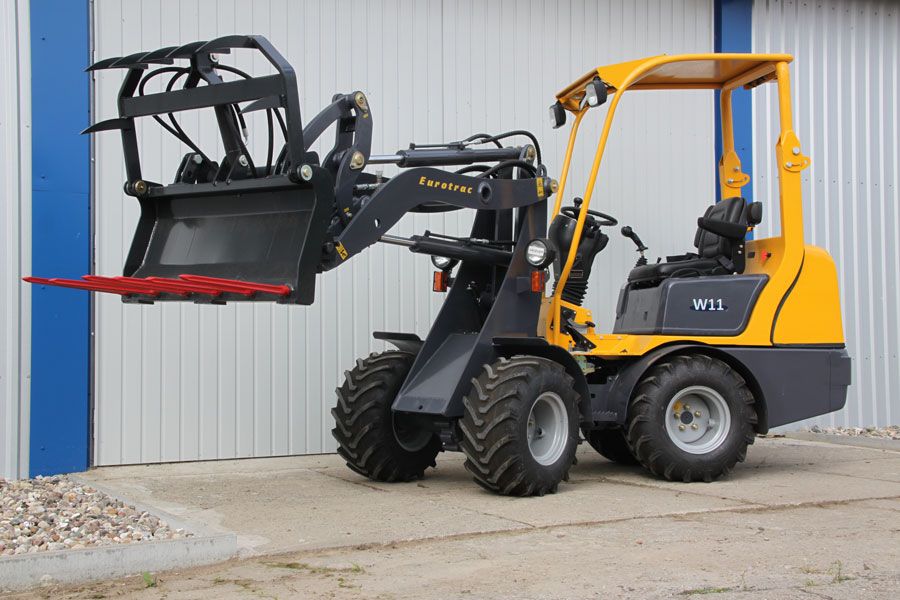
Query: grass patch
{"x": 149, "y": 580}
{"x": 837, "y": 572}
{"x": 705, "y": 590}
{"x": 245, "y": 584}
{"x": 314, "y": 570}
{"x": 810, "y": 570}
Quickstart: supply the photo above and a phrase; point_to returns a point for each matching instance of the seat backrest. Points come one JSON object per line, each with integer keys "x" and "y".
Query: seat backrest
{"x": 728, "y": 250}
{"x": 711, "y": 245}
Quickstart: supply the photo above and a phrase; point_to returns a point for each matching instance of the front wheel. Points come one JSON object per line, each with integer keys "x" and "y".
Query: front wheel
{"x": 375, "y": 441}
{"x": 691, "y": 419}
{"x": 520, "y": 426}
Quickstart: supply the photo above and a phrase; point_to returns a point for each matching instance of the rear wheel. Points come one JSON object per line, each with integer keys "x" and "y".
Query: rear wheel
{"x": 611, "y": 444}
{"x": 691, "y": 419}
{"x": 520, "y": 426}
{"x": 376, "y": 442}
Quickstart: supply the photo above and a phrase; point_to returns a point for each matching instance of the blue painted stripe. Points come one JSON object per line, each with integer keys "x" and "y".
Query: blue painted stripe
{"x": 734, "y": 33}
{"x": 61, "y": 226}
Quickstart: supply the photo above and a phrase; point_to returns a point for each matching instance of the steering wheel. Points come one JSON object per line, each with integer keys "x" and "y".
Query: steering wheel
{"x": 604, "y": 219}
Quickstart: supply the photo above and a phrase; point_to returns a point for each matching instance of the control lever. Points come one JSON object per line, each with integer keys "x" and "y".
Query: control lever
{"x": 628, "y": 232}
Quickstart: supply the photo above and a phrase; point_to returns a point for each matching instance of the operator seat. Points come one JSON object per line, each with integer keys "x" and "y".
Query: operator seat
{"x": 719, "y": 241}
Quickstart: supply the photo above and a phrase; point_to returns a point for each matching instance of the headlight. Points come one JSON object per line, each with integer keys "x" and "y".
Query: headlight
{"x": 595, "y": 92}
{"x": 557, "y": 115}
{"x": 443, "y": 263}
{"x": 539, "y": 253}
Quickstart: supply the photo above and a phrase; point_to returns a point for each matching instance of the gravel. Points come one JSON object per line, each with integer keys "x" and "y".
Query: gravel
{"x": 892, "y": 432}
{"x": 56, "y": 513}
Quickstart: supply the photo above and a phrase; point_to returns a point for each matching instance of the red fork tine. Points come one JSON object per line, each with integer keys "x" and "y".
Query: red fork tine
{"x": 235, "y": 286}
{"x": 172, "y": 286}
{"x": 132, "y": 285}
{"x": 153, "y": 286}
{"x": 179, "y": 285}
{"x": 93, "y": 286}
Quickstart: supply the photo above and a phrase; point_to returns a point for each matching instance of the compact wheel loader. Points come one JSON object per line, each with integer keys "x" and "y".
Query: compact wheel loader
{"x": 707, "y": 349}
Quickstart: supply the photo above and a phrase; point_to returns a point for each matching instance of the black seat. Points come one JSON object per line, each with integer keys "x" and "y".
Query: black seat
{"x": 719, "y": 241}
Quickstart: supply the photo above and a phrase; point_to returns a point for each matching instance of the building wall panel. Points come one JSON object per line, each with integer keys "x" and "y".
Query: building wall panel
{"x": 844, "y": 87}
{"x": 15, "y": 243}
{"x": 185, "y": 382}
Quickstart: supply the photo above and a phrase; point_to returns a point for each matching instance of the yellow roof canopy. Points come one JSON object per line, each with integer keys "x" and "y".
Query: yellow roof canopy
{"x": 680, "y": 71}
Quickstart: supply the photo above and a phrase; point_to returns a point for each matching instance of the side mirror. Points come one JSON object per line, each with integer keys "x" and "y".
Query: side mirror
{"x": 595, "y": 92}
{"x": 557, "y": 115}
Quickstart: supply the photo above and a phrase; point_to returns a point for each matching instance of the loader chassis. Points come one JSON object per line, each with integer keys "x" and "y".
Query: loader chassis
{"x": 707, "y": 350}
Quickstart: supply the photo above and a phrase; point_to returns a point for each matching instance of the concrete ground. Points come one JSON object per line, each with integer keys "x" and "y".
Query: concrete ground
{"x": 800, "y": 519}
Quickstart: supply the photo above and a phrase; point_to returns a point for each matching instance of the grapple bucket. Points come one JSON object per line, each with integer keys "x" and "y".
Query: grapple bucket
{"x": 225, "y": 229}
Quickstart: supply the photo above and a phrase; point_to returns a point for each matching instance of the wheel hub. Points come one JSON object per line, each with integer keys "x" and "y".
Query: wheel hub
{"x": 410, "y": 437}
{"x": 547, "y": 428}
{"x": 698, "y": 419}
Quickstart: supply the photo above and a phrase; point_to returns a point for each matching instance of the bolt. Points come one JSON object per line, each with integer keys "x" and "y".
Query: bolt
{"x": 687, "y": 407}
{"x": 796, "y": 150}
{"x": 140, "y": 186}
{"x": 554, "y": 185}
{"x": 737, "y": 169}
{"x": 789, "y": 165}
{"x": 530, "y": 153}
{"x": 306, "y": 172}
{"x": 676, "y": 415}
{"x": 681, "y": 428}
{"x": 731, "y": 181}
{"x": 197, "y": 159}
{"x": 360, "y": 99}
{"x": 242, "y": 160}
{"x": 696, "y": 413}
{"x": 694, "y": 426}
{"x": 214, "y": 58}
{"x": 357, "y": 160}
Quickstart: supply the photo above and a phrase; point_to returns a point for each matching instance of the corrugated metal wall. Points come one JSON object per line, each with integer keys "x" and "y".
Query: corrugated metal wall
{"x": 187, "y": 382}
{"x": 845, "y": 88}
{"x": 15, "y": 243}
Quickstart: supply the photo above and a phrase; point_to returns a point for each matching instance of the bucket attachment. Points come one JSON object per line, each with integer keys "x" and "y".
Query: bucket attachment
{"x": 226, "y": 228}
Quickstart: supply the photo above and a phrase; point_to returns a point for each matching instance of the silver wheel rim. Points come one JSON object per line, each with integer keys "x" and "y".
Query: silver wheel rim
{"x": 698, "y": 419}
{"x": 548, "y": 428}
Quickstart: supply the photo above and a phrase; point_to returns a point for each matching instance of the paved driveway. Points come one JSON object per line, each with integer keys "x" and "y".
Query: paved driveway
{"x": 800, "y": 519}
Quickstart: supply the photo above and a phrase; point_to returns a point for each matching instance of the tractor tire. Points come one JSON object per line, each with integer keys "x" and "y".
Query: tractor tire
{"x": 519, "y": 429}
{"x": 611, "y": 444}
{"x": 691, "y": 418}
{"x": 370, "y": 437}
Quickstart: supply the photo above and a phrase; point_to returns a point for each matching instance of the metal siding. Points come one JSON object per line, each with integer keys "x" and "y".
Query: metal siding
{"x": 845, "y": 84}
{"x": 15, "y": 255}
{"x": 182, "y": 382}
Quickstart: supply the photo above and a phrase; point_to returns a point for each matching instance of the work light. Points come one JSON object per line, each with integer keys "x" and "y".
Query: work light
{"x": 557, "y": 115}
{"x": 539, "y": 254}
{"x": 443, "y": 263}
{"x": 595, "y": 92}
